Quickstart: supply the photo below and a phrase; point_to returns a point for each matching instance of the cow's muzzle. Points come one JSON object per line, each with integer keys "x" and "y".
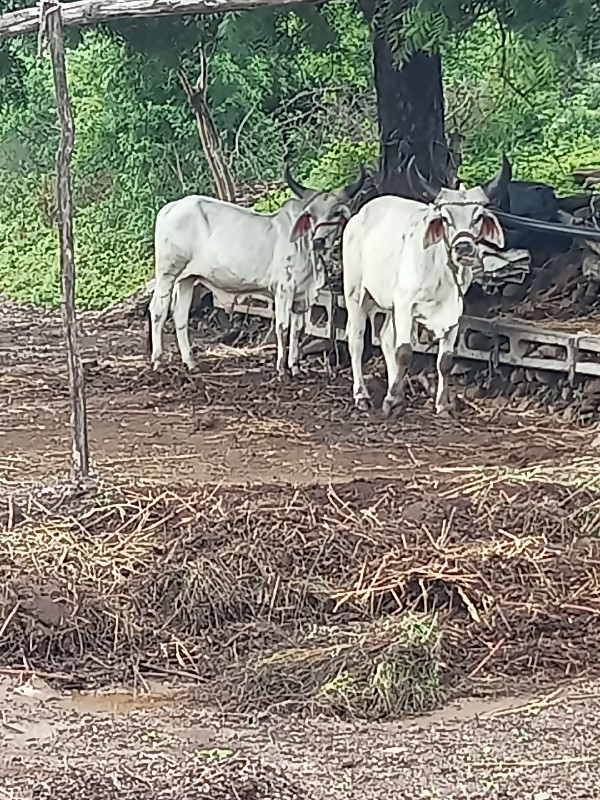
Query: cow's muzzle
{"x": 465, "y": 251}
{"x": 332, "y": 228}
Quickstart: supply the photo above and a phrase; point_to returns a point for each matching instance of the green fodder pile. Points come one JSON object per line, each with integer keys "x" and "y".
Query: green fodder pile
{"x": 307, "y": 596}
{"x": 384, "y": 668}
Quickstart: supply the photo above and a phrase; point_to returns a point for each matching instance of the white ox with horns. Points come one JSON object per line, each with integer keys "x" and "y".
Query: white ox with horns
{"x": 415, "y": 262}
{"x": 238, "y": 251}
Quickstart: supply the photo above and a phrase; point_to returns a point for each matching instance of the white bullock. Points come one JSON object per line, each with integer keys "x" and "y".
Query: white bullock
{"x": 236, "y": 250}
{"x": 415, "y": 262}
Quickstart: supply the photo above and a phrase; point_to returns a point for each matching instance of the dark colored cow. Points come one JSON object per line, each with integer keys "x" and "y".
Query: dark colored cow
{"x": 536, "y": 201}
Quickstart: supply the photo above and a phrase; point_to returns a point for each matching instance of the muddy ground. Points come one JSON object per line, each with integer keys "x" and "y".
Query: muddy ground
{"x": 231, "y": 421}
{"x": 77, "y": 745}
{"x": 232, "y": 426}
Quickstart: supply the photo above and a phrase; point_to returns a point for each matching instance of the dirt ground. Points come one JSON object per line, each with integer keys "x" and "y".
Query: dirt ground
{"x": 115, "y": 745}
{"x": 232, "y": 424}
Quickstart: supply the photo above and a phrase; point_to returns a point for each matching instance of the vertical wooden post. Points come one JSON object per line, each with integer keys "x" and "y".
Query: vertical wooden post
{"x": 52, "y": 17}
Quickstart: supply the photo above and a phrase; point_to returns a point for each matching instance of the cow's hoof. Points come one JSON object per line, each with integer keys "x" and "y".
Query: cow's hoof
{"x": 447, "y": 412}
{"x": 363, "y": 404}
{"x": 390, "y": 406}
{"x": 283, "y": 377}
{"x": 191, "y": 365}
{"x": 387, "y": 409}
{"x": 295, "y": 372}
{"x": 156, "y": 365}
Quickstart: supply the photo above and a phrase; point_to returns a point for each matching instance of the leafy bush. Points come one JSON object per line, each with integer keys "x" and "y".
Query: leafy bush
{"x": 280, "y": 83}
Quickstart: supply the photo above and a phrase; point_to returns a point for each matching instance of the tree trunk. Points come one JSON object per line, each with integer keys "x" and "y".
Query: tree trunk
{"x": 410, "y": 103}
{"x": 209, "y": 135}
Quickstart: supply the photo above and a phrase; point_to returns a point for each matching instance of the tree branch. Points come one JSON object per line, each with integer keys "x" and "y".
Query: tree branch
{"x": 93, "y": 12}
{"x": 209, "y": 135}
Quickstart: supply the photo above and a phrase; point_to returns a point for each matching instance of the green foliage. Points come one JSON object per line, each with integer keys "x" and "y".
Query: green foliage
{"x": 124, "y": 165}
{"x": 280, "y": 83}
{"x": 507, "y": 93}
{"x": 137, "y": 145}
{"x": 336, "y": 167}
{"x": 339, "y": 163}
{"x": 564, "y": 25}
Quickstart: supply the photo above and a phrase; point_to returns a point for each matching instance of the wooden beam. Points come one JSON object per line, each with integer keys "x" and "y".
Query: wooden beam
{"x": 51, "y": 12}
{"x": 92, "y": 12}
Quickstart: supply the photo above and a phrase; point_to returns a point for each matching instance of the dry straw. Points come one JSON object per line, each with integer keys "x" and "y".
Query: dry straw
{"x": 303, "y": 593}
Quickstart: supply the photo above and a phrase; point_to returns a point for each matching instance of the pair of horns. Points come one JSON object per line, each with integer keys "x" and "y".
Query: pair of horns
{"x": 494, "y": 189}
{"x": 302, "y": 191}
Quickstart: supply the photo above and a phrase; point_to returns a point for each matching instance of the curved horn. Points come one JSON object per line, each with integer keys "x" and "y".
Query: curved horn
{"x": 418, "y": 184}
{"x": 496, "y": 187}
{"x": 354, "y": 188}
{"x": 297, "y": 188}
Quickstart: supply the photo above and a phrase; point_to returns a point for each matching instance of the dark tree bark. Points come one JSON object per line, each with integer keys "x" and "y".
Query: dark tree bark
{"x": 410, "y": 103}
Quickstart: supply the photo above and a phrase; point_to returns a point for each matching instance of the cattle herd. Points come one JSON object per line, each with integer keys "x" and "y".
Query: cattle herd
{"x": 413, "y": 260}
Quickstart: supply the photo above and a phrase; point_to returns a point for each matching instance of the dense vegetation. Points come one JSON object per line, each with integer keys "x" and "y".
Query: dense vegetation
{"x": 298, "y": 82}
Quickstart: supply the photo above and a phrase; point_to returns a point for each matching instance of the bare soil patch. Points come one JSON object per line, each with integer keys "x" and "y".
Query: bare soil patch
{"x": 232, "y": 421}
{"x": 58, "y": 744}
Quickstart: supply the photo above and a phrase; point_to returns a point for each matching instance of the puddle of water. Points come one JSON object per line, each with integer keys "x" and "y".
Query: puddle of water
{"x": 118, "y": 702}
{"x": 464, "y": 711}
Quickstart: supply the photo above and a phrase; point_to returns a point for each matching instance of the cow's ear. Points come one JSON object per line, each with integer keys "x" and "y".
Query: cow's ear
{"x": 302, "y": 226}
{"x": 491, "y": 231}
{"x": 434, "y": 232}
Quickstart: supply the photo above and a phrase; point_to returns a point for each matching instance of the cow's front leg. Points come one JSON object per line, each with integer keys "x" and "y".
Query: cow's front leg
{"x": 445, "y": 357}
{"x": 296, "y": 327}
{"x": 283, "y": 309}
{"x": 397, "y": 351}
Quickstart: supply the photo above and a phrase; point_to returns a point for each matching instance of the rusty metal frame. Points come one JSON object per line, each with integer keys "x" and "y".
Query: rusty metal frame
{"x": 579, "y": 354}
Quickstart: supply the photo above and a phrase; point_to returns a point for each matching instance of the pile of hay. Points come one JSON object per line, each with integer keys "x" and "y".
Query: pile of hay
{"x": 161, "y": 779}
{"x": 122, "y": 580}
{"x": 373, "y": 670}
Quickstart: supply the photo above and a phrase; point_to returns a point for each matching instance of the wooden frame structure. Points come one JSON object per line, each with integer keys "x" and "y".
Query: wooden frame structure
{"x": 48, "y": 19}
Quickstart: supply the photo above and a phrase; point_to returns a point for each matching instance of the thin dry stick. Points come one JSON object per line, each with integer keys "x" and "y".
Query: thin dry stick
{"x": 537, "y": 705}
{"x": 539, "y": 764}
{"x": 487, "y": 658}
{"x": 207, "y": 130}
{"x": 6, "y": 622}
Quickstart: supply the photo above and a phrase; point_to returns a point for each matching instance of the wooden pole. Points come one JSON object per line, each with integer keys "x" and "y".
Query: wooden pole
{"x": 51, "y": 14}
{"x": 92, "y": 12}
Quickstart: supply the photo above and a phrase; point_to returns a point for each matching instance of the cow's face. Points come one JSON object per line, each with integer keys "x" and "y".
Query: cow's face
{"x": 322, "y": 220}
{"x": 462, "y": 220}
{"x": 324, "y": 214}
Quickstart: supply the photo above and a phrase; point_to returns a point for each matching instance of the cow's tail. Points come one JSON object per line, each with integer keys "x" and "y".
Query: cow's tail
{"x": 149, "y": 332}
{"x": 149, "y": 342}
